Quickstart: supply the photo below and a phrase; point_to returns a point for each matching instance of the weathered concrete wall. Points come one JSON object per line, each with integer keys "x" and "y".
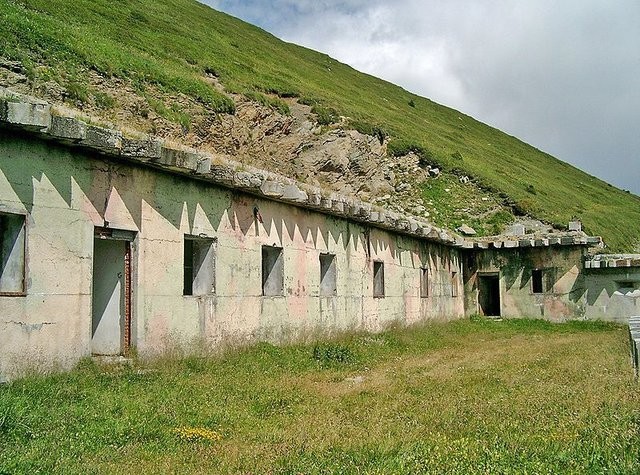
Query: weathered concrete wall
{"x": 612, "y": 294}
{"x": 570, "y": 291}
{"x": 66, "y": 194}
{"x": 564, "y": 287}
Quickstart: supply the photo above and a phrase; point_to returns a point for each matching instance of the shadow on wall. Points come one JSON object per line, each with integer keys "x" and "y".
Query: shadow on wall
{"x": 78, "y": 176}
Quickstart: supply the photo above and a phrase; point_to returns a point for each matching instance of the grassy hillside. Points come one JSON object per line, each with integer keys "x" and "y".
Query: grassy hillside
{"x": 173, "y": 44}
{"x": 470, "y": 397}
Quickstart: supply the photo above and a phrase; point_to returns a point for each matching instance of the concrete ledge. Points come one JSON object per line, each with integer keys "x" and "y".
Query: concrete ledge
{"x": 67, "y": 128}
{"x": 103, "y": 140}
{"x": 33, "y": 115}
{"x": 603, "y": 261}
{"x": 147, "y": 149}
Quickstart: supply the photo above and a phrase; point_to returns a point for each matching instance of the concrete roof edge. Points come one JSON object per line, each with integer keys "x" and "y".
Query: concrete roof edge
{"x": 62, "y": 126}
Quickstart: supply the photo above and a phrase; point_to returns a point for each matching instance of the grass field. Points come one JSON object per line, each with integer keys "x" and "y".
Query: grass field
{"x": 171, "y": 46}
{"x": 466, "y": 397}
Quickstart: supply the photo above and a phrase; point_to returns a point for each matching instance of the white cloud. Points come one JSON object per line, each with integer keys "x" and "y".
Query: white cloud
{"x": 559, "y": 75}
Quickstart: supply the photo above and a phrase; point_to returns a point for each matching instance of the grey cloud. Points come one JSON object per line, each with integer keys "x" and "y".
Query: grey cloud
{"x": 559, "y": 75}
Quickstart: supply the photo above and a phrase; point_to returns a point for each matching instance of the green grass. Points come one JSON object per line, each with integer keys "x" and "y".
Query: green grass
{"x": 170, "y": 47}
{"x": 477, "y": 396}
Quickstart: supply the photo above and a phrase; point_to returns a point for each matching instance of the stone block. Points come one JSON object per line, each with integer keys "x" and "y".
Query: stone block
{"x": 541, "y": 242}
{"x": 511, "y": 244}
{"x": 425, "y": 229}
{"x": 274, "y": 189}
{"x": 526, "y": 242}
{"x": 516, "y": 230}
{"x": 481, "y": 245}
{"x": 204, "y": 165}
{"x": 575, "y": 226}
{"x": 293, "y": 193}
{"x": 35, "y": 116}
{"x": 144, "y": 149}
{"x": 364, "y": 211}
{"x": 315, "y": 198}
{"x": 497, "y": 244}
{"x": 221, "y": 174}
{"x": 180, "y": 160}
{"x": 566, "y": 240}
{"x": 444, "y": 236}
{"x": 67, "y": 128}
{"x": 337, "y": 206}
{"x": 105, "y": 140}
{"x": 466, "y": 230}
{"x": 247, "y": 180}
{"x": 554, "y": 241}
{"x": 326, "y": 203}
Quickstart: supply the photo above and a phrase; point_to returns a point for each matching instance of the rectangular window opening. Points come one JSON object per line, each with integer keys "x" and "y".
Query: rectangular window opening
{"x": 272, "y": 271}
{"x": 199, "y": 266}
{"x": 378, "y": 279}
{"x": 12, "y": 254}
{"x": 537, "y": 286}
{"x": 454, "y": 284}
{"x": 424, "y": 282}
{"x": 328, "y": 275}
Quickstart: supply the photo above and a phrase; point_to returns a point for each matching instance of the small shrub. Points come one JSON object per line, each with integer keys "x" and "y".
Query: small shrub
{"x": 401, "y": 147}
{"x": 325, "y": 116}
{"x": 308, "y": 101}
{"x": 531, "y": 189}
{"x": 77, "y": 91}
{"x": 137, "y": 16}
{"x": 103, "y": 100}
{"x": 211, "y": 71}
{"x": 275, "y": 103}
{"x": 411, "y": 103}
{"x": 328, "y": 354}
{"x": 370, "y": 129}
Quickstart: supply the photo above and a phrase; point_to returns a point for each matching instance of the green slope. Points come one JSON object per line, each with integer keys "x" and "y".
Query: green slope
{"x": 171, "y": 44}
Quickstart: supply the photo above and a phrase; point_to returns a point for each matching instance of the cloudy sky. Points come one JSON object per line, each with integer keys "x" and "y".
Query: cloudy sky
{"x": 563, "y": 76}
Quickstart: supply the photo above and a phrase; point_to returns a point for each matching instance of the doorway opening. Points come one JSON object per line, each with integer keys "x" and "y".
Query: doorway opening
{"x": 489, "y": 295}
{"x": 111, "y": 297}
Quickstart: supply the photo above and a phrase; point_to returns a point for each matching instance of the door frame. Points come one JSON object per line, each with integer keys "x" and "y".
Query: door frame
{"x": 128, "y": 237}
{"x": 493, "y": 275}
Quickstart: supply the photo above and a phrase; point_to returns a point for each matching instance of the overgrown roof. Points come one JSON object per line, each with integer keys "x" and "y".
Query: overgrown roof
{"x": 179, "y": 46}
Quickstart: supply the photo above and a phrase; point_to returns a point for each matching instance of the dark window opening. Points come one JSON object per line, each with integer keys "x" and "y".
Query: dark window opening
{"x": 12, "y": 253}
{"x": 199, "y": 266}
{"x": 454, "y": 284}
{"x": 537, "y": 286}
{"x": 424, "y": 282}
{"x": 328, "y": 275}
{"x": 378, "y": 279}
{"x": 272, "y": 271}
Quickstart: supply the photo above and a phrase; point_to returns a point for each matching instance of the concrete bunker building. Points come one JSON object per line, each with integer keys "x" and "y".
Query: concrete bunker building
{"x": 109, "y": 243}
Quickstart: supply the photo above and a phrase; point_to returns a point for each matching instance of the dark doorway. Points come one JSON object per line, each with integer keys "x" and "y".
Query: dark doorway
{"x": 489, "y": 295}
